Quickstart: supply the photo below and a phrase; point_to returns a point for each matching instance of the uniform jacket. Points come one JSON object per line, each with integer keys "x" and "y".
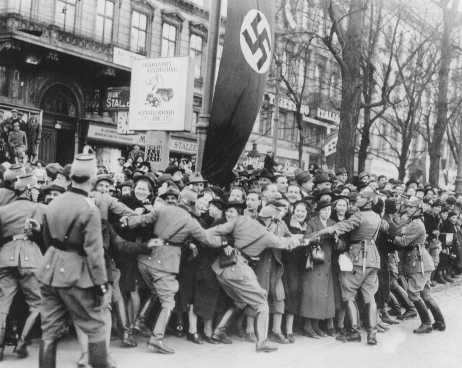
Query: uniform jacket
{"x": 17, "y": 138}
{"x": 174, "y": 225}
{"x": 361, "y": 226}
{"x": 33, "y": 131}
{"x": 82, "y": 263}
{"x": 109, "y": 205}
{"x": 19, "y": 253}
{"x": 6, "y": 196}
{"x": 414, "y": 255}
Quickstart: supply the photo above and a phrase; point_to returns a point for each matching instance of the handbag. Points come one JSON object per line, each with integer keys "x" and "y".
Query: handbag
{"x": 225, "y": 260}
{"x": 317, "y": 254}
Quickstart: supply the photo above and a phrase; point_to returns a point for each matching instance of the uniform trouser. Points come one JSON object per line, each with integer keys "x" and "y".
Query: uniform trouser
{"x": 12, "y": 279}
{"x": 79, "y": 304}
{"x": 383, "y": 292}
{"x": 416, "y": 283}
{"x": 164, "y": 285}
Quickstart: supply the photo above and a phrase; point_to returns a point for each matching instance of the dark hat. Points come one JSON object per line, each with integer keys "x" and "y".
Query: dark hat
{"x": 303, "y": 177}
{"x": 325, "y": 191}
{"x": 362, "y": 175}
{"x": 264, "y": 173}
{"x": 323, "y": 204}
{"x": 444, "y": 208}
{"x": 164, "y": 178}
{"x": 437, "y": 203}
{"x": 104, "y": 177}
{"x": 321, "y": 177}
{"x": 149, "y": 177}
{"x": 218, "y": 203}
{"x": 341, "y": 171}
{"x": 172, "y": 169}
{"x": 338, "y": 196}
{"x": 362, "y": 185}
{"x": 452, "y": 213}
{"x": 53, "y": 170}
{"x": 451, "y": 201}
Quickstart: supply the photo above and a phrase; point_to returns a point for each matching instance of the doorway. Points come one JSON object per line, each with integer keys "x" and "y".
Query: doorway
{"x": 60, "y": 120}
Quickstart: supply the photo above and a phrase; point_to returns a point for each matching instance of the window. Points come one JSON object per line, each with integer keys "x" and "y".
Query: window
{"x": 3, "y": 81}
{"x": 65, "y": 14}
{"x": 168, "y": 45}
{"x": 104, "y": 20}
{"x": 138, "y": 32}
{"x": 282, "y": 125}
{"x": 195, "y": 50}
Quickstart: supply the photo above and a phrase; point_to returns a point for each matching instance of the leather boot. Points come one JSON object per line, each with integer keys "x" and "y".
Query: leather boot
{"x": 395, "y": 307}
{"x": 352, "y": 314}
{"x": 424, "y": 315}
{"x": 387, "y": 318}
{"x": 371, "y": 310}
{"x": 21, "y": 347}
{"x": 47, "y": 354}
{"x": 98, "y": 355}
{"x": 219, "y": 334}
{"x": 317, "y": 329}
{"x": 140, "y": 326}
{"x": 128, "y": 340}
{"x": 439, "y": 324}
{"x": 439, "y": 277}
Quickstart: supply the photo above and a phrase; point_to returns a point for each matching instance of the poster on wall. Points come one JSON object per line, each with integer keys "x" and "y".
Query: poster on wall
{"x": 161, "y": 94}
{"x": 156, "y": 150}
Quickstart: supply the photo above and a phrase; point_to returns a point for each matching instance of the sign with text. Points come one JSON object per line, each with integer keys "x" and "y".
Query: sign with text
{"x": 161, "y": 94}
{"x": 118, "y": 98}
{"x": 109, "y": 134}
{"x": 156, "y": 150}
{"x": 183, "y": 146}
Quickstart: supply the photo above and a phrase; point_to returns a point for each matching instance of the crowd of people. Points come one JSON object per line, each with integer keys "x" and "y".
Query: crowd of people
{"x": 268, "y": 259}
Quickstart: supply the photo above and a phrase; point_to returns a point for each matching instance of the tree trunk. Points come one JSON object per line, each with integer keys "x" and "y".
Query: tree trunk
{"x": 403, "y": 157}
{"x": 442, "y": 104}
{"x": 299, "y": 122}
{"x": 365, "y": 140}
{"x": 351, "y": 87}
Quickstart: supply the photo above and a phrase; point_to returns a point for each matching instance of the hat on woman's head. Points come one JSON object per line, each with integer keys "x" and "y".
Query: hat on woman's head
{"x": 323, "y": 204}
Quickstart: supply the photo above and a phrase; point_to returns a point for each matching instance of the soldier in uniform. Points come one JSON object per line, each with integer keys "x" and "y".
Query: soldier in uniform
{"x": 20, "y": 258}
{"x": 417, "y": 268}
{"x": 174, "y": 225}
{"x": 34, "y": 134}
{"x": 363, "y": 227}
{"x": 73, "y": 274}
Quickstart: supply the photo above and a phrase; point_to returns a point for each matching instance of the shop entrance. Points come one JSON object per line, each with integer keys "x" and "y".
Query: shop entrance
{"x": 59, "y": 127}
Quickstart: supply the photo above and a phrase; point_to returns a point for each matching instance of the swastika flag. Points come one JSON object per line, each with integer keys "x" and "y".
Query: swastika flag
{"x": 245, "y": 63}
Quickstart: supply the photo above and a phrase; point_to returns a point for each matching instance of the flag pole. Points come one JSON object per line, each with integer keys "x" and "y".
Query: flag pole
{"x": 209, "y": 80}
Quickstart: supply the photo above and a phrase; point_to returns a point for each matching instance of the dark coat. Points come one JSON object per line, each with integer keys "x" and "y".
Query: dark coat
{"x": 317, "y": 286}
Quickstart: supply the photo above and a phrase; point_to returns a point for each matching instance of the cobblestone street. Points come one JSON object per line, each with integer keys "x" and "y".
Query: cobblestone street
{"x": 397, "y": 348}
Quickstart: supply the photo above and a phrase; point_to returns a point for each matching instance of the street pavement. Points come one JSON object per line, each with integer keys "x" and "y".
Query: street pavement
{"x": 399, "y": 347}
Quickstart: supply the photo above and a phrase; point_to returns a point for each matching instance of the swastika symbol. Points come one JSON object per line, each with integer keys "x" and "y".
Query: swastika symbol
{"x": 255, "y": 41}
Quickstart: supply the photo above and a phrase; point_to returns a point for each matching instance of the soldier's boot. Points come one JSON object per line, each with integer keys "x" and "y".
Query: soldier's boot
{"x": 156, "y": 342}
{"x": 128, "y": 340}
{"x": 47, "y": 354}
{"x": 385, "y": 316}
{"x": 447, "y": 277}
{"x": 2, "y": 339}
{"x": 371, "y": 310}
{"x": 98, "y": 356}
{"x": 219, "y": 334}
{"x": 410, "y": 310}
{"x": 140, "y": 323}
{"x": 395, "y": 307}
{"x": 426, "y": 326}
{"x": 21, "y": 347}
{"x": 352, "y": 314}
{"x": 439, "y": 324}
{"x": 439, "y": 277}
{"x": 261, "y": 330}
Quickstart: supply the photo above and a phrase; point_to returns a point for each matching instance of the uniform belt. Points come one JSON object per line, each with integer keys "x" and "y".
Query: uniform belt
{"x": 7, "y": 239}
{"x": 65, "y": 247}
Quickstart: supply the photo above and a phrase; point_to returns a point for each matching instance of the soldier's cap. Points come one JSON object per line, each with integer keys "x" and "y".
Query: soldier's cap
{"x": 84, "y": 165}
{"x": 24, "y": 182}
{"x": 149, "y": 177}
{"x": 196, "y": 179}
{"x": 323, "y": 204}
{"x": 13, "y": 172}
{"x": 53, "y": 170}
{"x": 218, "y": 203}
{"x": 53, "y": 187}
{"x": 269, "y": 211}
{"x": 321, "y": 177}
{"x": 303, "y": 177}
{"x": 341, "y": 171}
{"x": 172, "y": 190}
{"x": 104, "y": 177}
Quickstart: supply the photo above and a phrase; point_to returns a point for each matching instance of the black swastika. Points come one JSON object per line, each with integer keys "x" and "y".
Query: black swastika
{"x": 259, "y": 44}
